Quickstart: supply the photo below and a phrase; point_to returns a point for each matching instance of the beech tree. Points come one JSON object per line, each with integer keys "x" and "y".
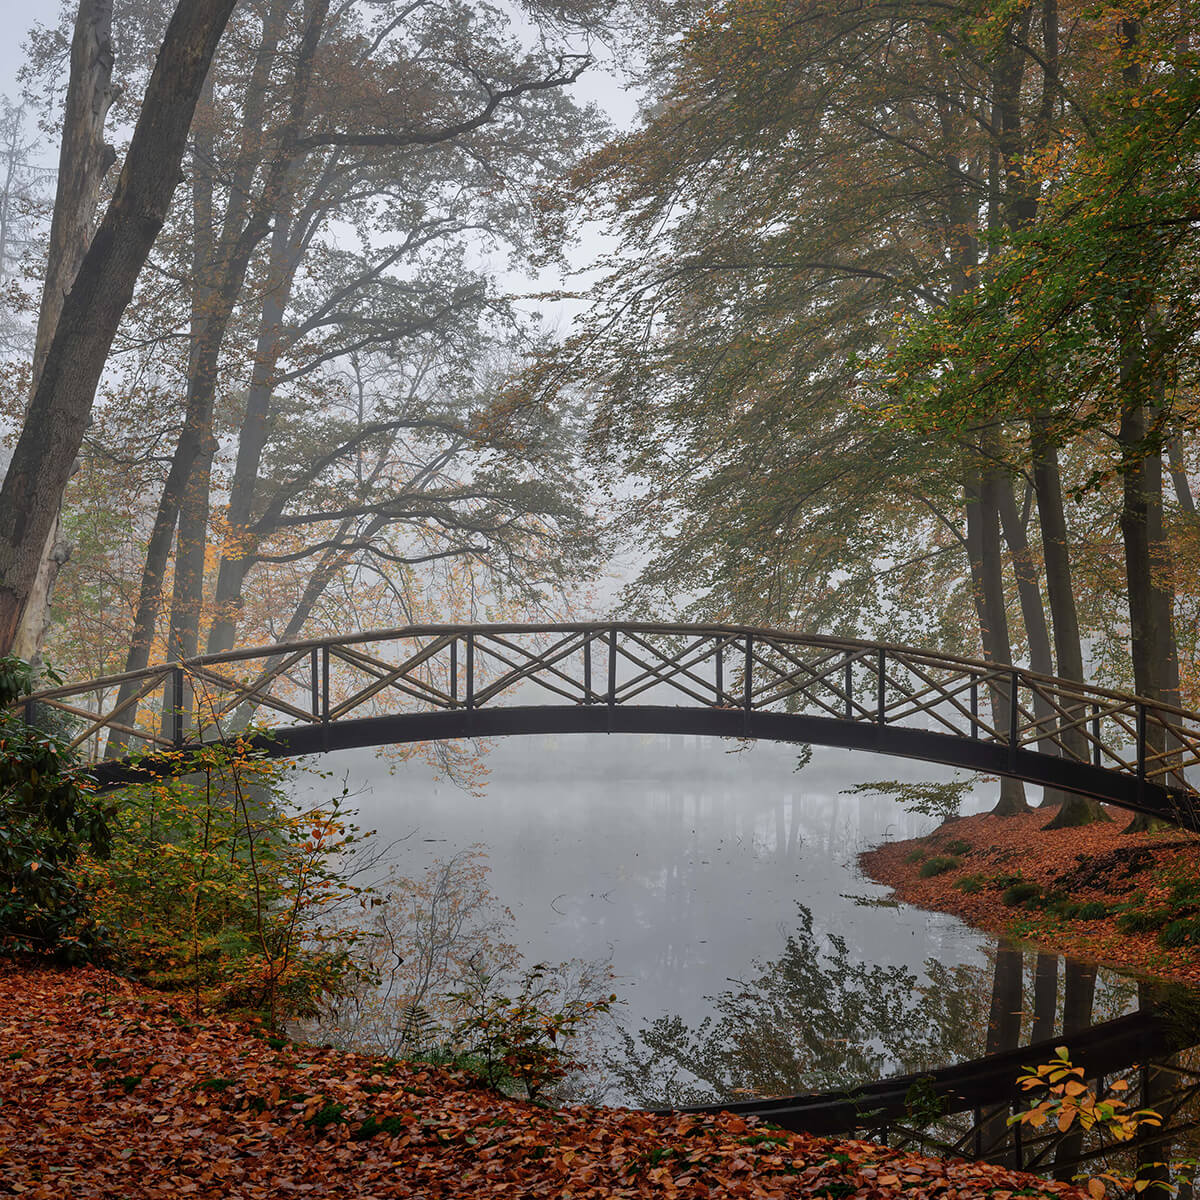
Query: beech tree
{"x": 102, "y": 288}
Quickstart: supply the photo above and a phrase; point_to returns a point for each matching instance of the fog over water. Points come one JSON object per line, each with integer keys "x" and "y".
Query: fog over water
{"x": 682, "y": 859}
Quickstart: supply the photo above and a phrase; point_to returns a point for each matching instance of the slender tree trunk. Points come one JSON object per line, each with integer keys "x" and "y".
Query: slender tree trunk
{"x": 1033, "y": 611}
{"x": 244, "y": 229}
{"x": 1179, "y": 477}
{"x": 1068, "y": 651}
{"x": 1148, "y": 579}
{"x": 983, "y": 550}
{"x": 237, "y": 561}
{"x": 84, "y": 160}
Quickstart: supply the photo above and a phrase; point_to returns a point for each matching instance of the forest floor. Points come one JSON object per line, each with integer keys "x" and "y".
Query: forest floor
{"x": 1130, "y": 901}
{"x": 108, "y": 1089}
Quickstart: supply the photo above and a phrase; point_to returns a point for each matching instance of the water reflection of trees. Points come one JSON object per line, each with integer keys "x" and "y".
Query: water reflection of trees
{"x": 818, "y": 1019}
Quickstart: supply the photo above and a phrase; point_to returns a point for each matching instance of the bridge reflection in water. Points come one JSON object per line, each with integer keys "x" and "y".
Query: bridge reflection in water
{"x": 433, "y": 682}
{"x": 964, "y": 1109}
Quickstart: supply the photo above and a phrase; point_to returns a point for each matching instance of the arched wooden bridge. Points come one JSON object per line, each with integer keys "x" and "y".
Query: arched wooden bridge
{"x": 432, "y": 682}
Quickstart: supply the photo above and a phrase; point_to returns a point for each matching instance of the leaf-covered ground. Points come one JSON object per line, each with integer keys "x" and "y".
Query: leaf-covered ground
{"x": 1141, "y": 879}
{"x": 106, "y": 1090}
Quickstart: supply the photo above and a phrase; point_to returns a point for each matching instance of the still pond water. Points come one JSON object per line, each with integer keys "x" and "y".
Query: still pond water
{"x": 722, "y": 886}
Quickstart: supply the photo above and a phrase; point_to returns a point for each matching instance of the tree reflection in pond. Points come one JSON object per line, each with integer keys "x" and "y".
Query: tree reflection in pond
{"x": 817, "y": 1019}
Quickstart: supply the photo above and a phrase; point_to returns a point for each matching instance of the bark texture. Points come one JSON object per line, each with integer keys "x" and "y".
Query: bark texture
{"x": 84, "y": 159}
{"x": 62, "y": 402}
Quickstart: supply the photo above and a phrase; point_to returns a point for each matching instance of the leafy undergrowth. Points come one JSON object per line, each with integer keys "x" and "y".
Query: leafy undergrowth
{"x": 105, "y": 1090}
{"x": 1129, "y": 901}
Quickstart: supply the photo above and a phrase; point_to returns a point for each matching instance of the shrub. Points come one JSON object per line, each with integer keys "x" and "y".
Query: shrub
{"x": 1093, "y": 910}
{"x": 1143, "y": 920}
{"x": 959, "y": 848}
{"x": 522, "y": 1039}
{"x": 970, "y": 884}
{"x": 939, "y": 865}
{"x": 1021, "y": 893}
{"x": 915, "y": 856}
{"x": 220, "y": 888}
{"x": 47, "y": 820}
{"x": 1182, "y": 932}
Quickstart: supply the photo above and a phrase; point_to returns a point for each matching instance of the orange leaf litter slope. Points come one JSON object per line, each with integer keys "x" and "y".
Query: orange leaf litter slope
{"x": 105, "y": 1090}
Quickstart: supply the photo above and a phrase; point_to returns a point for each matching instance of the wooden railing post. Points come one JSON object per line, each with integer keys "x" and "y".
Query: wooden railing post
{"x": 881, "y": 694}
{"x": 720, "y": 673}
{"x": 587, "y": 668}
{"x": 454, "y": 669}
{"x": 1141, "y": 750}
{"x": 314, "y": 682}
{"x": 470, "y": 671}
{"x": 1014, "y": 718}
{"x": 849, "y": 686}
{"x": 177, "y": 707}
{"x": 748, "y": 684}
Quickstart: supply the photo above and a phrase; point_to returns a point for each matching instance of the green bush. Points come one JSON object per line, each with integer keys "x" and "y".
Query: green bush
{"x": 1093, "y": 910}
{"x": 47, "y": 820}
{"x": 970, "y": 884}
{"x": 959, "y": 848}
{"x": 522, "y": 1039}
{"x": 218, "y": 887}
{"x": 1182, "y": 932}
{"x": 1021, "y": 893}
{"x": 916, "y": 856}
{"x": 1143, "y": 920}
{"x": 939, "y": 865}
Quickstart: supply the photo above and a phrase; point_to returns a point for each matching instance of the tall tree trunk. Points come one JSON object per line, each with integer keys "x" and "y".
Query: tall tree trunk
{"x": 245, "y": 228}
{"x": 219, "y": 277}
{"x": 1033, "y": 611}
{"x": 252, "y": 439}
{"x": 1068, "y": 651}
{"x": 84, "y": 160}
{"x": 983, "y": 550}
{"x": 1179, "y": 477}
{"x": 1147, "y": 554}
{"x": 62, "y": 402}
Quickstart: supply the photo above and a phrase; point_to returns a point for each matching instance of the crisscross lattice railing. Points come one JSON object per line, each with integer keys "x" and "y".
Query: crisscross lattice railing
{"x": 1100, "y": 742}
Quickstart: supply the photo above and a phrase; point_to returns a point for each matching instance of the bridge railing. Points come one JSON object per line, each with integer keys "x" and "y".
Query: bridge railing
{"x": 447, "y": 668}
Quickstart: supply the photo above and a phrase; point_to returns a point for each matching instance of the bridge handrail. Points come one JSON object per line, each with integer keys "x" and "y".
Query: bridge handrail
{"x": 1089, "y": 690}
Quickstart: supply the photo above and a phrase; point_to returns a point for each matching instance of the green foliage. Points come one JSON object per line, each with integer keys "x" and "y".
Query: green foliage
{"x": 916, "y": 855}
{"x": 1020, "y": 893}
{"x": 1143, "y": 920}
{"x": 939, "y": 865}
{"x": 218, "y": 886}
{"x": 958, "y": 847}
{"x": 940, "y": 800}
{"x": 1184, "y": 931}
{"x": 47, "y": 820}
{"x": 522, "y": 1039}
{"x": 970, "y": 884}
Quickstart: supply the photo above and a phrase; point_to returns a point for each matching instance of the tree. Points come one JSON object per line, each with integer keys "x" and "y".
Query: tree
{"x": 103, "y": 286}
